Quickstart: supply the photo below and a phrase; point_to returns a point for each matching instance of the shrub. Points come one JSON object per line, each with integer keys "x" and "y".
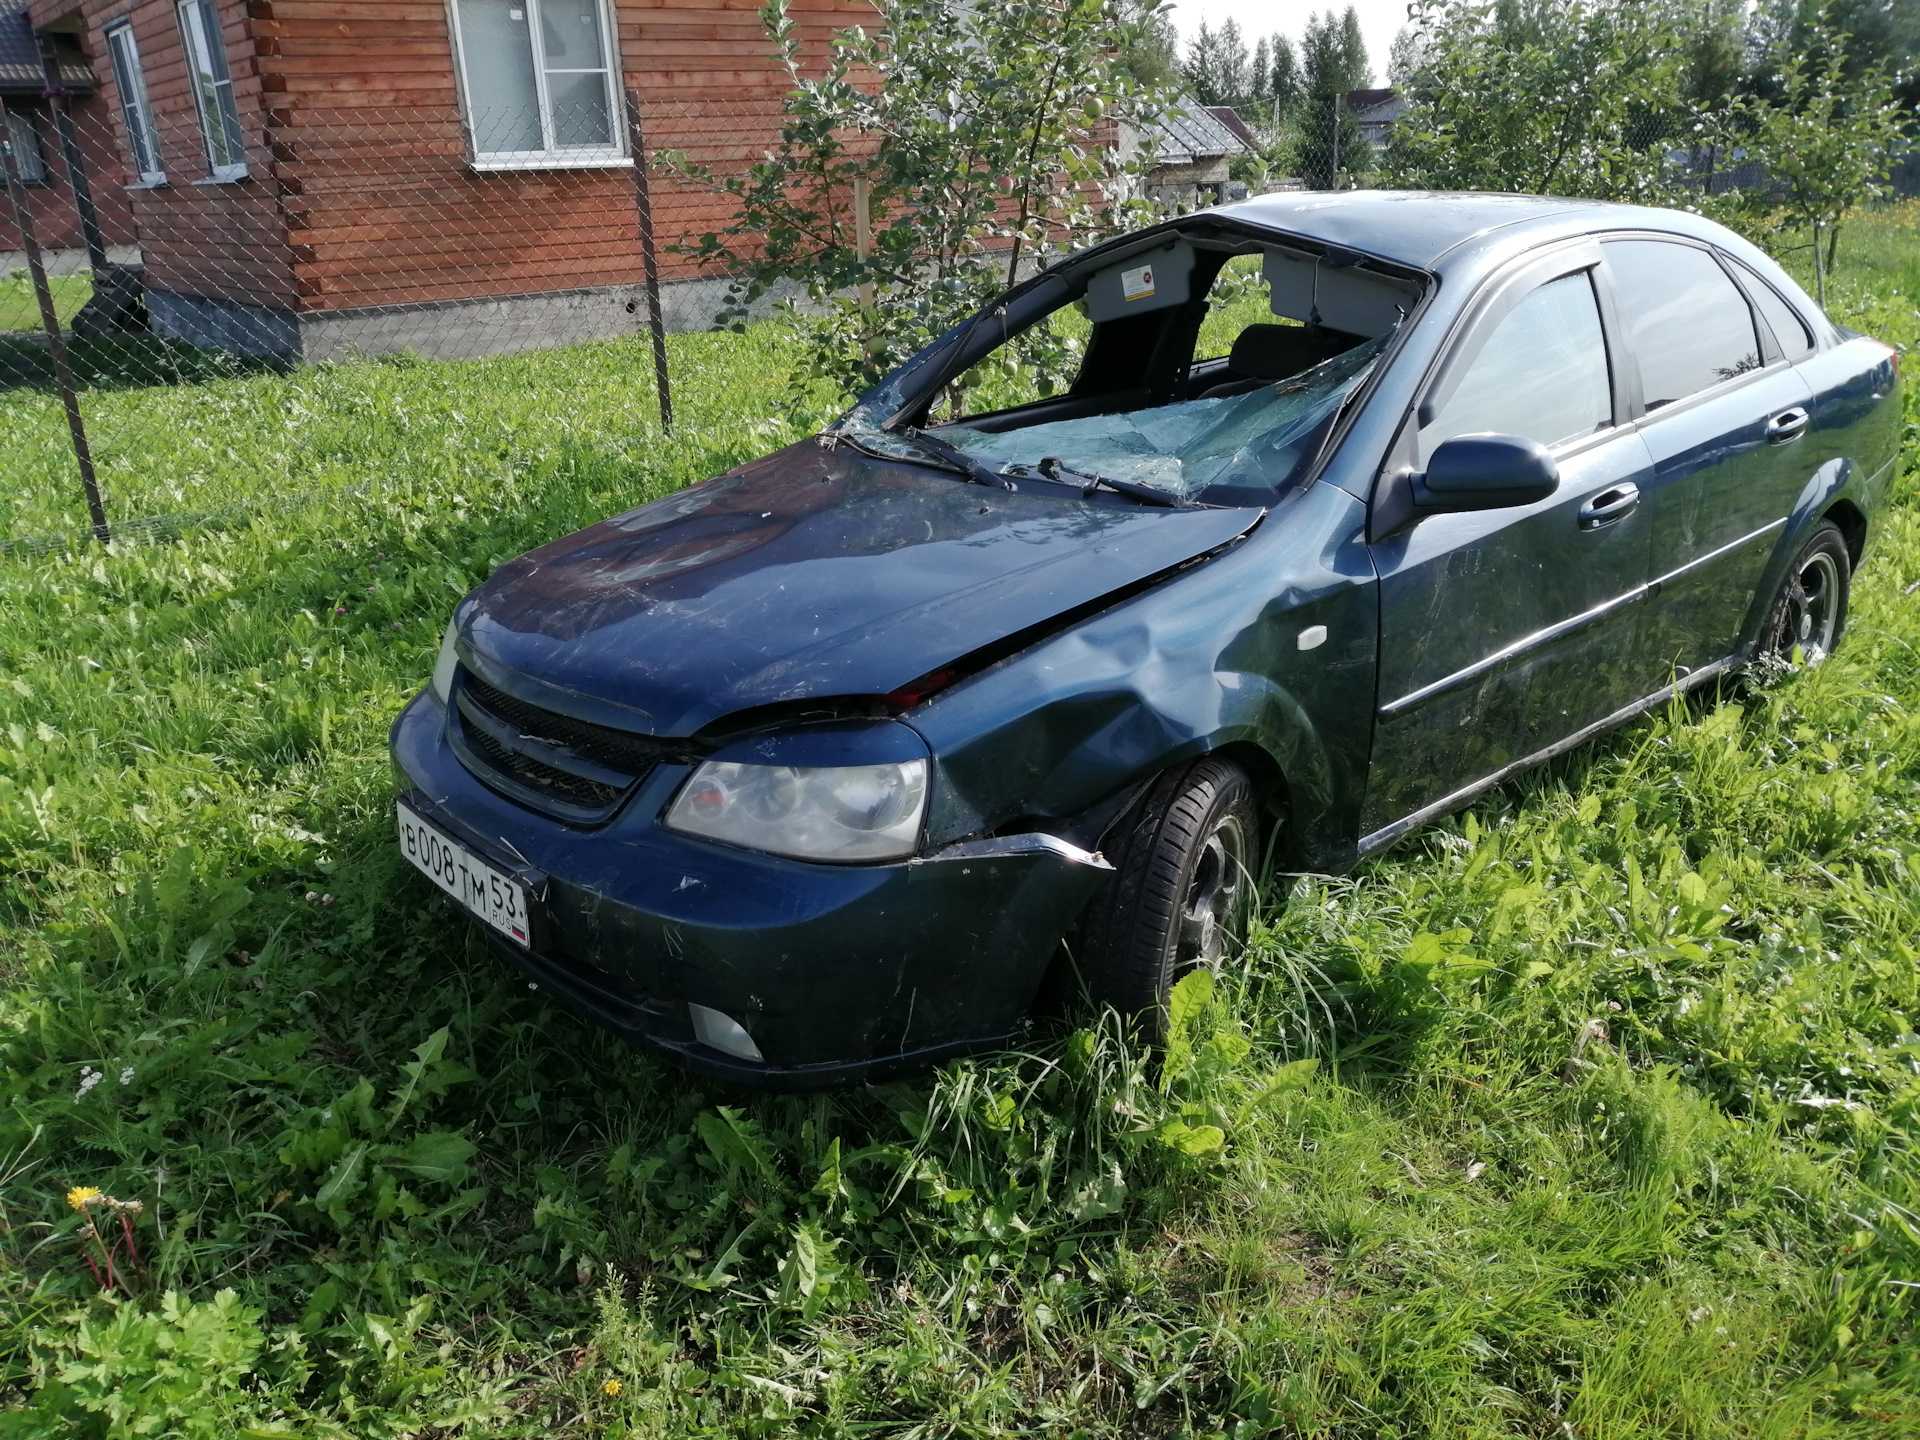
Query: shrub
{"x": 985, "y": 137}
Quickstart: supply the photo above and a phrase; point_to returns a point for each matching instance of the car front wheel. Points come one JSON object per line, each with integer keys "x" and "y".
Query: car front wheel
{"x": 1182, "y": 889}
{"x": 1810, "y": 610}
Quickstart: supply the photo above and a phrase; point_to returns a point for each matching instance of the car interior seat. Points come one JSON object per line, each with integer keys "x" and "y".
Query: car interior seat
{"x": 1265, "y": 353}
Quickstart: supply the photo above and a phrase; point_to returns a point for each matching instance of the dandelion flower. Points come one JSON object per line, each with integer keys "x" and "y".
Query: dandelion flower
{"x": 612, "y": 1387}
{"x": 81, "y": 1195}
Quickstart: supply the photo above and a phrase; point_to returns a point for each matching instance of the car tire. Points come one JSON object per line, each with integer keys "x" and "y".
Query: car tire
{"x": 1183, "y": 883}
{"x": 1810, "y": 608}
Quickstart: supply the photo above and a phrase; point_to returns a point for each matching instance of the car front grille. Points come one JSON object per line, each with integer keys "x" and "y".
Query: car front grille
{"x": 570, "y": 768}
{"x": 575, "y": 791}
{"x": 615, "y": 749}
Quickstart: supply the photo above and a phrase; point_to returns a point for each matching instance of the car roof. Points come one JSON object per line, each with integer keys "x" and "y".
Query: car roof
{"x": 1420, "y": 227}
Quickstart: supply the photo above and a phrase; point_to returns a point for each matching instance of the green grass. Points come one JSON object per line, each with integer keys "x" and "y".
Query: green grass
{"x": 1611, "y": 1131}
{"x": 20, "y": 307}
{"x": 1879, "y": 249}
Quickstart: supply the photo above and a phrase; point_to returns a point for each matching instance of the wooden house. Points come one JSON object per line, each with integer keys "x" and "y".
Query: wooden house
{"x": 34, "y": 70}
{"x": 311, "y": 178}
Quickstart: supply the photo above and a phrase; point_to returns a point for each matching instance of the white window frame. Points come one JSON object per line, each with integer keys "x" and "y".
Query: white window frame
{"x": 552, "y": 156}
{"x": 207, "y": 69}
{"x": 136, "y": 112}
{"x": 24, "y": 141}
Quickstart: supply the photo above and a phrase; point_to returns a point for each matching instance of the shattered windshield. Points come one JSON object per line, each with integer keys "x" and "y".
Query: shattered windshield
{"x": 1245, "y": 388}
{"x": 1250, "y": 441}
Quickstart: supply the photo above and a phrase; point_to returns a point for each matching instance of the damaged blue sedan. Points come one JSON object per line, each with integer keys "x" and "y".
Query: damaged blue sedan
{"x": 803, "y": 775}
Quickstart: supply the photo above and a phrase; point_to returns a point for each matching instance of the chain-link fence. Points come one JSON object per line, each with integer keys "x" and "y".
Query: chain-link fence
{"x": 148, "y": 249}
{"x": 143, "y": 251}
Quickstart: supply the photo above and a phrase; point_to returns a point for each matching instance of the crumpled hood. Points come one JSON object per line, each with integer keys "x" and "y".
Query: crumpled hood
{"x": 806, "y": 575}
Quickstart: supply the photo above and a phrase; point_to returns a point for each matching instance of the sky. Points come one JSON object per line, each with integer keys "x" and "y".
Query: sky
{"x": 1380, "y": 21}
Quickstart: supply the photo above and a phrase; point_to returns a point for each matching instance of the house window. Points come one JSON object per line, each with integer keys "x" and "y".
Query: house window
{"x": 538, "y": 79}
{"x": 135, "y": 112}
{"x": 212, "y": 89}
{"x": 23, "y": 144}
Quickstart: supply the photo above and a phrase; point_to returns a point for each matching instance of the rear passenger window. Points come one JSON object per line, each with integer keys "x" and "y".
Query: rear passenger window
{"x": 1787, "y": 326}
{"x": 1686, "y": 320}
{"x": 1542, "y": 373}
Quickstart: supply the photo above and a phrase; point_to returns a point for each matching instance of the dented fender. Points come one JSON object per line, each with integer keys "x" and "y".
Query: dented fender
{"x": 1267, "y": 649}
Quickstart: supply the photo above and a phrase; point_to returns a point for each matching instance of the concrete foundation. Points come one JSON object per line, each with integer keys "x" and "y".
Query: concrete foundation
{"x": 67, "y": 262}
{"x": 447, "y": 330}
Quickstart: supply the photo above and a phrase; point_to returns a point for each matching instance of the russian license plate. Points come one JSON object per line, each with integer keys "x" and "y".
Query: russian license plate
{"x": 492, "y": 894}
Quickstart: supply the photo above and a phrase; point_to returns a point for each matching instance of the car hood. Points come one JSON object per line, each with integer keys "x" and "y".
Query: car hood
{"x": 810, "y": 574}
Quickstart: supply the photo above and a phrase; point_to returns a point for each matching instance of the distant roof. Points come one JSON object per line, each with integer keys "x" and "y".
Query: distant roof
{"x": 1183, "y": 136}
{"x": 1230, "y": 117}
{"x": 20, "y": 72}
{"x": 1367, "y": 99}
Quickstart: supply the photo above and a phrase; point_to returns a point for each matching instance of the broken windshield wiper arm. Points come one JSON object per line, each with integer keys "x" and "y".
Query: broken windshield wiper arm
{"x": 956, "y": 459}
{"x": 1054, "y": 470}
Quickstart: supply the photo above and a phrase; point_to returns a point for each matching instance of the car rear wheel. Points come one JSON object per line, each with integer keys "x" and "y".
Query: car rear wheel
{"x": 1181, "y": 892}
{"x": 1810, "y": 611}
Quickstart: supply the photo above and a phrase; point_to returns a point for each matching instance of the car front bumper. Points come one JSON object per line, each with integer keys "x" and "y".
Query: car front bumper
{"x": 839, "y": 973}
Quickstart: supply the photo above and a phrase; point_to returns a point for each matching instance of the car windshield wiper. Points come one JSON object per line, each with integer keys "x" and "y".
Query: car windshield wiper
{"x": 952, "y": 457}
{"x": 1085, "y": 480}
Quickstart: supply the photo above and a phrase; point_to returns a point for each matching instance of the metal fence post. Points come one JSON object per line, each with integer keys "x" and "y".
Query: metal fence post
{"x": 1334, "y": 154}
{"x": 643, "y": 201}
{"x": 50, "y": 322}
{"x": 70, "y": 157}
{"x": 863, "y": 232}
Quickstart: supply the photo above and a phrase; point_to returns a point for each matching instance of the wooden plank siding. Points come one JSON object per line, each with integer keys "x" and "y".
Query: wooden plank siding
{"x": 360, "y": 192}
{"x": 225, "y": 241}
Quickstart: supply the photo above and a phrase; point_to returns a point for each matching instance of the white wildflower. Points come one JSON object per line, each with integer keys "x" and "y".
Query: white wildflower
{"x": 89, "y": 1077}
{"x": 126, "y": 1076}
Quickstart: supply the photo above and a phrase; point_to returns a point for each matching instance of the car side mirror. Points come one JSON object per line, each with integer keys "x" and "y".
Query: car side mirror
{"x": 1485, "y": 472}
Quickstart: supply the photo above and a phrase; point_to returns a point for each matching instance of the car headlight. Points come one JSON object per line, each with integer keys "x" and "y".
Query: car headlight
{"x": 823, "y": 812}
{"x": 443, "y": 668}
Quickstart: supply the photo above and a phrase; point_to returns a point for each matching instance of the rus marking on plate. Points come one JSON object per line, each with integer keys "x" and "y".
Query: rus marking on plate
{"x": 489, "y": 893}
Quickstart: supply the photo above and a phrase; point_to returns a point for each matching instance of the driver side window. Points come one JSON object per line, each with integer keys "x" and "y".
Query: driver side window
{"x": 1541, "y": 374}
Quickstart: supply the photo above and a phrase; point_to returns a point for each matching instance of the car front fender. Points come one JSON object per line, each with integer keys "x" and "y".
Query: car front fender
{"x": 1268, "y": 649}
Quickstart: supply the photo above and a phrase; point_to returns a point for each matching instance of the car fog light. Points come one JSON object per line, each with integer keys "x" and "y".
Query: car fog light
{"x": 828, "y": 812}
{"x": 443, "y": 668}
{"x": 723, "y": 1033}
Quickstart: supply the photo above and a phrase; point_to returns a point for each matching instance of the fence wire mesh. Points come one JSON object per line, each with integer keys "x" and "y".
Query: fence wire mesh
{"x": 233, "y": 291}
{"x": 216, "y": 325}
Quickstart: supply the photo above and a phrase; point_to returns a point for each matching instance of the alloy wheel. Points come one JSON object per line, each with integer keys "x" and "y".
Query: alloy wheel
{"x": 1214, "y": 899}
{"x": 1810, "y": 609}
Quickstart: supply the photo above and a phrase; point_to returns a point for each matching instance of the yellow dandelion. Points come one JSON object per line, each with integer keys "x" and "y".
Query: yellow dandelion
{"x": 80, "y": 1196}
{"x": 612, "y": 1387}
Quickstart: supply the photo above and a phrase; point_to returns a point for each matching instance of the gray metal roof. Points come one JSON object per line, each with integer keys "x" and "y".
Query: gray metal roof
{"x": 1188, "y": 134}
{"x": 1457, "y": 233}
{"x": 1413, "y": 226}
{"x": 20, "y": 72}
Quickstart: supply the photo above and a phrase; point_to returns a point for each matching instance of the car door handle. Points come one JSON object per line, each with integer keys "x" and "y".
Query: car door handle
{"x": 1616, "y": 502}
{"x": 1787, "y": 425}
